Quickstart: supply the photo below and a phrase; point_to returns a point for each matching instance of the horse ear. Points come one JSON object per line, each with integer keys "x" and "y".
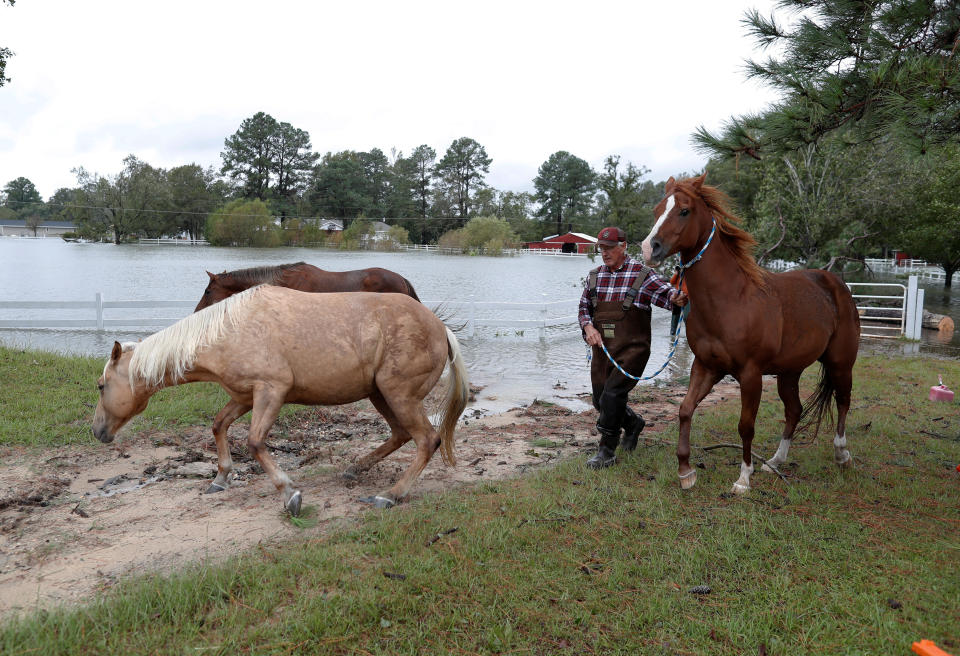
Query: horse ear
{"x": 116, "y": 352}
{"x": 698, "y": 182}
{"x": 213, "y": 276}
{"x": 671, "y": 183}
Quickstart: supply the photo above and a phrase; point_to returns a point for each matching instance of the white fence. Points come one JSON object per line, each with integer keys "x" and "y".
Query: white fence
{"x": 503, "y": 251}
{"x": 896, "y": 311}
{"x": 175, "y": 242}
{"x": 920, "y": 268}
{"x": 540, "y": 317}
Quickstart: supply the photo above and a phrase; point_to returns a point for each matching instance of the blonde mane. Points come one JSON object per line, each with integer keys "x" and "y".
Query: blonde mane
{"x": 173, "y": 350}
{"x": 740, "y": 242}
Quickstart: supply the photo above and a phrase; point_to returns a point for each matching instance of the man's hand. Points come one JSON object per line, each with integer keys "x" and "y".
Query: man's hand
{"x": 680, "y": 299}
{"x": 592, "y": 335}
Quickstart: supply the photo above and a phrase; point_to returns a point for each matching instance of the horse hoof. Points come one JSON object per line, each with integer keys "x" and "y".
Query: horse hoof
{"x": 379, "y": 501}
{"x": 214, "y": 487}
{"x": 293, "y": 505}
{"x": 740, "y": 489}
{"x": 845, "y": 461}
{"x": 767, "y": 468}
{"x": 688, "y": 480}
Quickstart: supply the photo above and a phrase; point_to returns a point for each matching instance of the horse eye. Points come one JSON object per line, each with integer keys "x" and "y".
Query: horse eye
{"x": 206, "y": 292}
{"x": 100, "y": 386}
{"x": 684, "y": 212}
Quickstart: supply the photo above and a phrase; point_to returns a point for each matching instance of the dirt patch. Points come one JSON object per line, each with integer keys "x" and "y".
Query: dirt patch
{"x": 73, "y": 520}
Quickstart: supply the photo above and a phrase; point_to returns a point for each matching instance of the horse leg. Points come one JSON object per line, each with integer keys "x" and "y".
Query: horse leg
{"x": 267, "y": 402}
{"x": 702, "y": 381}
{"x": 398, "y": 437}
{"x": 841, "y": 377}
{"x": 221, "y": 423}
{"x": 788, "y": 387}
{"x": 411, "y": 416}
{"x": 751, "y": 389}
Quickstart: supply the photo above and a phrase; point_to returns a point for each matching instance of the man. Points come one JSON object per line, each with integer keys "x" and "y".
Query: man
{"x": 615, "y": 310}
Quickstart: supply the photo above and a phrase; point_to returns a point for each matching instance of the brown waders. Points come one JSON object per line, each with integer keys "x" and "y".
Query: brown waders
{"x": 626, "y": 334}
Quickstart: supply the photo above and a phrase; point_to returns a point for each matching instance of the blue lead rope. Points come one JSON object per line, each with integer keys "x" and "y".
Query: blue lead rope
{"x": 676, "y": 339}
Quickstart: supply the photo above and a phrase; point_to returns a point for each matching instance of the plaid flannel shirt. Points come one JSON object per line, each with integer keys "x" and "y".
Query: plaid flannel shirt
{"x": 613, "y": 286}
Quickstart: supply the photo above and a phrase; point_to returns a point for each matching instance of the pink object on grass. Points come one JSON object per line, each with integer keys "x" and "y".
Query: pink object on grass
{"x": 940, "y": 392}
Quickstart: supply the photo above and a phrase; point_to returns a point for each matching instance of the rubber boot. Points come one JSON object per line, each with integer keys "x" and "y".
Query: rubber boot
{"x": 605, "y": 452}
{"x": 632, "y": 426}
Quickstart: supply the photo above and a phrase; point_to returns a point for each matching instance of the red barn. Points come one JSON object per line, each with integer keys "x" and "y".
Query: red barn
{"x": 572, "y": 242}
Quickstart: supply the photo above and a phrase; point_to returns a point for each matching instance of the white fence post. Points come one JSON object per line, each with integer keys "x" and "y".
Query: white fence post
{"x": 911, "y": 313}
{"x": 99, "y": 302}
{"x": 918, "y": 319}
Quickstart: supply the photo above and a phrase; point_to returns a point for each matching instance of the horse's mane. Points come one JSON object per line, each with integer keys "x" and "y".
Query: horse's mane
{"x": 740, "y": 242}
{"x": 262, "y": 275}
{"x": 173, "y": 350}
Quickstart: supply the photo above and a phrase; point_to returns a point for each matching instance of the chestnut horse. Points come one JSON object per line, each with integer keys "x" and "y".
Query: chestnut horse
{"x": 269, "y": 346}
{"x": 748, "y": 322}
{"x": 306, "y": 278}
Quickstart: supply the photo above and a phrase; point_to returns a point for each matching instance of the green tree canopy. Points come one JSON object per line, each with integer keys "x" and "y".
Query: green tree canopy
{"x": 243, "y": 223}
{"x": 21, "y": 196}
{"x": 565, "y": 185}
{"x": 862, "y": 69}
{"x": 460, "y": 171}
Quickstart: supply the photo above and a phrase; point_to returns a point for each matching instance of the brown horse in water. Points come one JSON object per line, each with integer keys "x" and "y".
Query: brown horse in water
{"x": 269, "y": 346}
{"x": 747, "y": 322}
{"x": 306, "y": 278}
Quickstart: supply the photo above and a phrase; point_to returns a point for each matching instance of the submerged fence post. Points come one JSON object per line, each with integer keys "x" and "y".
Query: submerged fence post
{"x": 99, "y": 302}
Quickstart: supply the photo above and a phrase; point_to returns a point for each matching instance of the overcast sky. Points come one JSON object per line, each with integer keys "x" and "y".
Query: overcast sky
{"x": 168, "y": 81}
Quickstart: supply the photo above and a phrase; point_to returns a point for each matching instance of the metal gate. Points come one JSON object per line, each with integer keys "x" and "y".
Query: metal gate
{"x": 889, "y": 310}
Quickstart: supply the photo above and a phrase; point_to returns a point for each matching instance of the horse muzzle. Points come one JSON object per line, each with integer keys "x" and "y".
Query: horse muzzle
{"x": 653, "y": 251}
{"x": 102, "y": 433}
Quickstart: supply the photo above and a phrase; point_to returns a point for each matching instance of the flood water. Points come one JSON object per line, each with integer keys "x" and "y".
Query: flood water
{"x": 513, "y": 365}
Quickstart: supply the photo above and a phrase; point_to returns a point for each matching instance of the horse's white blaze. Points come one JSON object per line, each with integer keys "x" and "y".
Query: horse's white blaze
{"x": 646, "y": 248}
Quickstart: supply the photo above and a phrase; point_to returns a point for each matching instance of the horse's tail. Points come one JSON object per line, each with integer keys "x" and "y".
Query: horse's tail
{"x": 817, "y": 405}
{"x": 410, "y": 290}
{"x": 456, "y": 401}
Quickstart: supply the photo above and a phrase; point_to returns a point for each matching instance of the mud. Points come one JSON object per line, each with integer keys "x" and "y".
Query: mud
{"x": 76, "y": 519}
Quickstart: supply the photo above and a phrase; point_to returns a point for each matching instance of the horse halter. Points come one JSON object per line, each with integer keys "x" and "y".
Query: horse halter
{"x": 713, "y": 231}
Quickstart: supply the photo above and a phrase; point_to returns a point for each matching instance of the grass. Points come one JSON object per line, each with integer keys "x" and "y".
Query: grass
{"x": 570, "y": 560}
{"x": 48, "y": 399}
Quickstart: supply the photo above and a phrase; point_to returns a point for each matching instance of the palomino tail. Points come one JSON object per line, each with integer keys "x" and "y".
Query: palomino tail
{"x": 457, "y": 396}
{"x": 817, "y": 405}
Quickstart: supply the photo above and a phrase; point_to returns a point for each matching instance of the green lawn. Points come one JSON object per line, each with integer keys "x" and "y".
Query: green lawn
{"x": 569, "y": 560}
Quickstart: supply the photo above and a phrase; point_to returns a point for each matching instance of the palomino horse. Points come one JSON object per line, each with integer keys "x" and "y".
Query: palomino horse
{"x": 747, "y": 322}
{"x": 269, "y": 346}
{"x": 306, "y": 278}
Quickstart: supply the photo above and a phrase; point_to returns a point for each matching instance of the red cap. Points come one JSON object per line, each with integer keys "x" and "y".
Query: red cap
{"x": 611, "y": 236}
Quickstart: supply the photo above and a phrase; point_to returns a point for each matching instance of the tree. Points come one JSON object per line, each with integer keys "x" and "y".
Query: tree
{"x": 933, "y": 232}
{"x": 5, "y": 53}
{"x": 192, "y": 195}
{"x": 565, "y": 185}
{"x": 422, "y": 159}
{"x": 339, "y": 188}
{"x": 462, "y": 168}
{"x": 243, "y": 223}
{"x": 377, "y": 175}
{"x": 292, "y": 162}
{"x": 21, "y": 196}
{"x": 861, "y": 69}
{"x": 627, "y": 200}
{"x": 249, "y": 155}
{"x": 483, "y": 232}
{"x": 128, "y": 203}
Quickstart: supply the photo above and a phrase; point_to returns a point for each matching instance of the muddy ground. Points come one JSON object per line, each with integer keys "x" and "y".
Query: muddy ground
{"x": 75, "y": 519}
